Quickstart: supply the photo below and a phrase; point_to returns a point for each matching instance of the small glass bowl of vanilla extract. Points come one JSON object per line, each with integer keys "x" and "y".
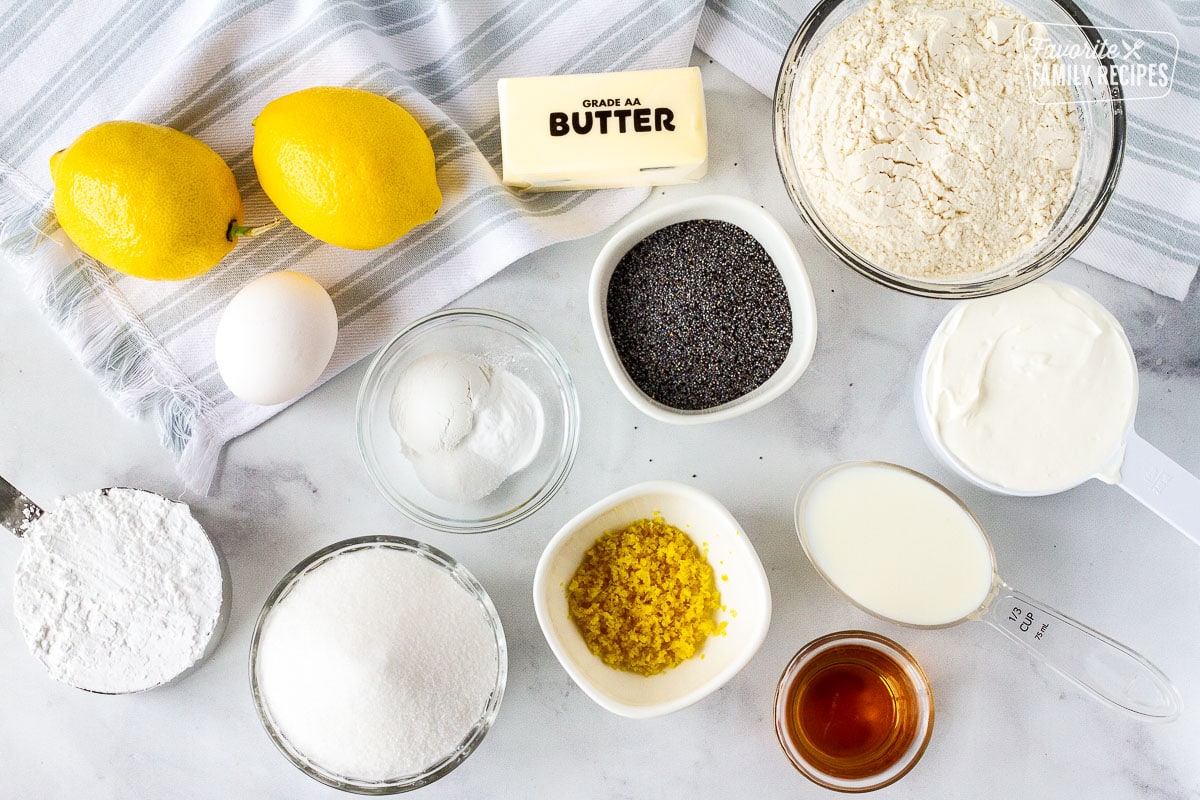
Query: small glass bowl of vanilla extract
{"x": 853, "y": 711}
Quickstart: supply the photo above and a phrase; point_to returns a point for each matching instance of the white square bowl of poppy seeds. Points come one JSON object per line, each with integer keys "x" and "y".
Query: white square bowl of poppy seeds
{"x": 702, "y": 310}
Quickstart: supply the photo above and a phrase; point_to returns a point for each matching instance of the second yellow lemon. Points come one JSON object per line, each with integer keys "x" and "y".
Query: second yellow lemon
{"x": 346, "y": 166}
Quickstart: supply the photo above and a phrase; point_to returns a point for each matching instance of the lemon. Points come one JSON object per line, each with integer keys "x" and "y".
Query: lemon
{"x": 346, "y": 166}
{"x": 147, "y": 200}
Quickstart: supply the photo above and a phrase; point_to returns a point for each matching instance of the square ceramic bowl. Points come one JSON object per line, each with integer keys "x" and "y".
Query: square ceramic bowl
{"x": 779, "y": 246}
{"x": 745, "y": 599}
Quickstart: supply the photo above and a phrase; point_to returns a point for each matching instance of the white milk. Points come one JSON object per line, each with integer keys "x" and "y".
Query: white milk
{"x": 896, "y": 544}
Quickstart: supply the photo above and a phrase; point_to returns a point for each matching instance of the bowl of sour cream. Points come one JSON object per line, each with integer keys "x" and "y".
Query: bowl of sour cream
{"x": 1034, "y": 392}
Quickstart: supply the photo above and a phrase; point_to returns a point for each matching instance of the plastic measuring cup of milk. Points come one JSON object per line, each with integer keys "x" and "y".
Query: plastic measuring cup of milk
{"x": 1033, "y": 392}
{"x": 905, "y": 549}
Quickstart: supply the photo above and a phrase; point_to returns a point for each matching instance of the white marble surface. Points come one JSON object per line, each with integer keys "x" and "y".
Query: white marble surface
{"x": 1005, "y": 727}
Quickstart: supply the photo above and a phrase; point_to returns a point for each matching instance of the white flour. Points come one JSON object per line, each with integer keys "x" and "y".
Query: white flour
{"x": 376, "y": 664}
{"x": 922, "y": 141}
{"x": 117, "y": 592}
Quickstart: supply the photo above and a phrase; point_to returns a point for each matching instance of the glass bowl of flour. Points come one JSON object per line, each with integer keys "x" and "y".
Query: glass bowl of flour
{"x": 949, "y": 148}
{"x": 468, "y": 421}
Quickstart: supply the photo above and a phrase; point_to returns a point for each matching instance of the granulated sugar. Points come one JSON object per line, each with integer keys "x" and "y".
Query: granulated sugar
{"x": 376, "y": 664}
{"x": 117, "y": 591}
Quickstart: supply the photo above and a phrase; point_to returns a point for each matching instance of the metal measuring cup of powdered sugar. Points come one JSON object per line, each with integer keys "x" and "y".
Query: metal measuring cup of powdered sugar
{"x": 109, "y": 619}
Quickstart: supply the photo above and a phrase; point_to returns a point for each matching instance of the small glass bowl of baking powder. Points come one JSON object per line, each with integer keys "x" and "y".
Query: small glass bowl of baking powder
{"x": 1101, "y": 117}
{"x": 528, "y": 389}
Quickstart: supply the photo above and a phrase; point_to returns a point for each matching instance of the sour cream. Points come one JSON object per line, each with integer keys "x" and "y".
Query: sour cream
{"x": 1033, "y": 390}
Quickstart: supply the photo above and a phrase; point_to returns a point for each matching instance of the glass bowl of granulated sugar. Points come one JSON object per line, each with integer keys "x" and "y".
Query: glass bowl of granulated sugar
{"x": 468, "y": 421}
{"x": 378, "y": 665}
{"x": 949, "y": 148}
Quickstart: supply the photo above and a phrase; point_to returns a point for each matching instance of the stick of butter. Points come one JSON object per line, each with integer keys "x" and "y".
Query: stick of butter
{"x": 604, "y": 130}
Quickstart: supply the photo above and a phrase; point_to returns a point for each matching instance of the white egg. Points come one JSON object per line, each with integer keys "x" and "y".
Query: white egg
{"x": 276, "y": 337}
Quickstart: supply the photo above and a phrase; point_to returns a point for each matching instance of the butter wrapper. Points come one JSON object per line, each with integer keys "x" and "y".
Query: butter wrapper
{"x": 603, "y": 130}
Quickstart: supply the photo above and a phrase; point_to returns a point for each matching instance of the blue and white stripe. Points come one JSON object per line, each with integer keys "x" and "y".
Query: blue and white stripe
{"x": 1150, "y": 232}
{"x": 208, "y": 67}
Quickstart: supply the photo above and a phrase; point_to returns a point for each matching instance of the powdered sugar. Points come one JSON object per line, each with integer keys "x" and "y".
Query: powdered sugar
{"x": 118, "y": 590}
{"x": 376, "y": 664}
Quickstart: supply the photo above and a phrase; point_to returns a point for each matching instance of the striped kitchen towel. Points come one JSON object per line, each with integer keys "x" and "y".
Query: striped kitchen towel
{"x": 1150, "y": 232}
{"x": 208, "y": 68}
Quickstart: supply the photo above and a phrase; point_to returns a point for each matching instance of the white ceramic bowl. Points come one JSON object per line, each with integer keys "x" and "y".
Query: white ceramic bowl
{"x": 779, "y": 246}
{"x": 745, "y": 596}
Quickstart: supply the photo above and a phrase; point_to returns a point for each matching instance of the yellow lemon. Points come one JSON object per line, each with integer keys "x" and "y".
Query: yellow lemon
{"x": 147, "y": 200}
{"x": 346, "y": 166}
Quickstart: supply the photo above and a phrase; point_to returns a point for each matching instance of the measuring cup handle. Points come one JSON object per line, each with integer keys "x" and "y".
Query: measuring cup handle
{"x": 1107, "y": 669}
{"x": 17, "y": 512}
{"x": 1161, "y": 485}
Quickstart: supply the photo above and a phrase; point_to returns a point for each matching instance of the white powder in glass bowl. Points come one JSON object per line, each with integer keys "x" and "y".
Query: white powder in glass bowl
{"x": 376, "y": 664}
{"x": 465, "y": 424}
{"x": 926, "y": 141}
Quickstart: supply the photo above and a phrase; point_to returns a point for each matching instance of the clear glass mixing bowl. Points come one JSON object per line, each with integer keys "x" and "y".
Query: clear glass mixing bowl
{"x": 1101, "y": 110}
{"x": 503, "y": 342}
{"x": 439, "y": 769}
